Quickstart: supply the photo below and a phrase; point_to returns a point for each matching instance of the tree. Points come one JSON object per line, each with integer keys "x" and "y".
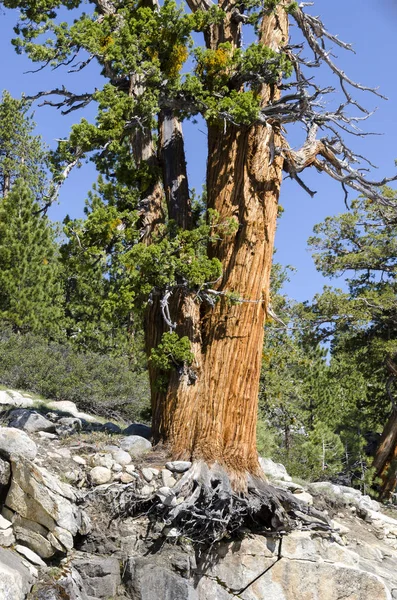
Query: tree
{"x": 203, "y": 286}
{"x": 30, "y": 287}
{"x": 30, "y": 291}
{"x": 363, "y": 321}
{"x": 21, "y": 153}
{"x": 97, "y": 303}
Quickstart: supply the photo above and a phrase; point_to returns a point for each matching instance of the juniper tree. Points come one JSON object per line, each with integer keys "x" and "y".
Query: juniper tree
{"x": 203, "y": 287}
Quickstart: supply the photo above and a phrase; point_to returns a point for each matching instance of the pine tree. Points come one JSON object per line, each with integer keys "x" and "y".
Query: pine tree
{"x": 362, "y": 322}
{"x": 203, "y": 288}
{"x": 30, "y": 293}
{"x": 21, "y": 153}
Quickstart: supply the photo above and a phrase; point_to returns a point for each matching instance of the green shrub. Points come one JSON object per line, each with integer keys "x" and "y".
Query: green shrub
{"x": 103, "y": 384}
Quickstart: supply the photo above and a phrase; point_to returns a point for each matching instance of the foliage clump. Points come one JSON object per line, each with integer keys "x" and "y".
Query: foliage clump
{"x": 173, "y": 352}
{"x": 101, "y": 383}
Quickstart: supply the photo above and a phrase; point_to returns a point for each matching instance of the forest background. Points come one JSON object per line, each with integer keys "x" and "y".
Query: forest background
{"x": 323, "y": 395}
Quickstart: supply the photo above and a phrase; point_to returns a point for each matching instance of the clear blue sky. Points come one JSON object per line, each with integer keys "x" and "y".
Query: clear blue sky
{"x": 370, "y": 26}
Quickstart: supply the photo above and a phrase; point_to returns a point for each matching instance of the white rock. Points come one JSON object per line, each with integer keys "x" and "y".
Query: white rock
{"x": 54, "y": 543}
{"x": 154, "y": 471}
{"x": 130, "y": 469}
{"x": 290, "y": 485}
{"x": 7, "y": 538}
{"x": 33, "y": 570}
{"x": 34, "y": 536}
{"x": 126, "y": 478}
{"x": 15, "y": 399}
{"x": 168, "y": 479}
{"x": 304, "y": 497}
{"x": 167, "y": 496}
{"x": 122, "y": 457}
{"x": 15, "y": 577}
{"x": 325, "y": 487}
{"x": 274, "y": 470}
{"x": 64, "y": 452}
{"x": 350, "y": 498}
{"x": 111, "y": 448}
{"x": 71, "y": 476}
{"x": 344, "y": 489}
{"x": 30, "y": 555}
{"x": 147, "y": 490}
{"x": 368, "y": 504}
{"x": 30, "y": 421}
{"x": 135, "y": 445}
{"x": 173, "y": 532}
{"x": 69, "y": 407}
{"x": 47, "y": 435}
{"x": 116, "y": 468}
{"x": 339, "y": 527}
{"x": 102, "y": 460}
{"x": 4, "y": 523}
{"x": 53, "y": 455}
{"x": 79, "y": 460}
{"x": 64, "y": 536}
{"x": 40, "y": 496}
{"x": 63, "y": 406}
{"x": 147, "y": 474}
{"x": 178, "y": 466}
{"x": 100, "y": 475}
{"x": 383, "y": 519}
{"x": 14, "y": 442}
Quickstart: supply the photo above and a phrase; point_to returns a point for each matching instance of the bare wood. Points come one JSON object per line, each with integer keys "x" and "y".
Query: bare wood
{"x": 173, "y": 162}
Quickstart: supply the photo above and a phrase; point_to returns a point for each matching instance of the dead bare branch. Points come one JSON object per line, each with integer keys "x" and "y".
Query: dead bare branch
{"x": 70, "y": 99}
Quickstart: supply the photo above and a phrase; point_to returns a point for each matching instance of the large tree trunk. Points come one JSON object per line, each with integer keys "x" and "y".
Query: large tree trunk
{"x": 385, "y": 460}
{"x": 209, "y": 410}
{"x": 177, "y": 401}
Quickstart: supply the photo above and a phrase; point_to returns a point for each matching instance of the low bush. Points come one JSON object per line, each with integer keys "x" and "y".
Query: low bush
{"x": 103, "y": 384}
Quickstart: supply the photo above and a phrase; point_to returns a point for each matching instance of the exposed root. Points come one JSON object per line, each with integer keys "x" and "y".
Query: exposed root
{"x": 203, "y": 507}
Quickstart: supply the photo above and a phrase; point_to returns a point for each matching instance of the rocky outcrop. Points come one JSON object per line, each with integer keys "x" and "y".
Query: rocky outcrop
{"x": 30, "y": 421}
{"x": 16, "y": 578}
{"x": 42, "y": 510}
{"x": 101, "y": 575}
{"x": 296, "y": 567}
{"x": 60, "y": 539}
{"x": 16, "y": 443}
